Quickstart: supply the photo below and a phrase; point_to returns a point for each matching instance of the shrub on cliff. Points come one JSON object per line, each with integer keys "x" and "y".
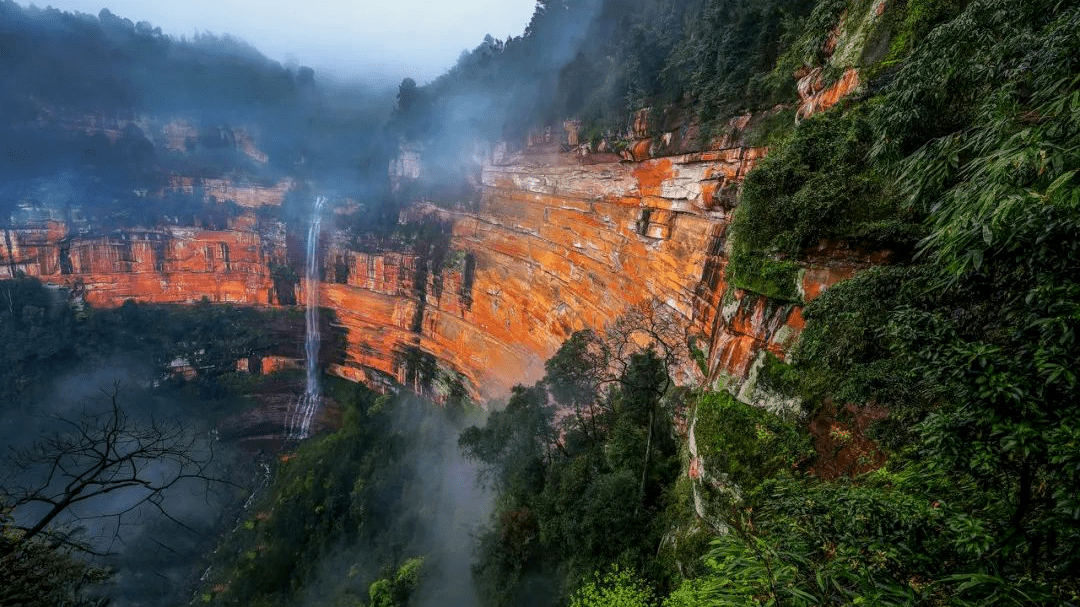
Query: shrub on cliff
{"x": 615, "y": 588}
{"x": 40, "y": 573}
{"x": 970, "y": 346}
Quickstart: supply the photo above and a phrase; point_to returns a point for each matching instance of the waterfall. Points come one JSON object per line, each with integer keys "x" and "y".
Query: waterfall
{"x": 308, "y": 404}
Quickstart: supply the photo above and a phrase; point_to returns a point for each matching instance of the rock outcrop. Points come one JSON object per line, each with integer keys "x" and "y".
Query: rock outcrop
{"x": 161, "y": 265}
{"x": 559, "y": 239}
{"x": 247, "y": 195}
{"x": 560, "y": 245}
{"x": 555, "y": 245}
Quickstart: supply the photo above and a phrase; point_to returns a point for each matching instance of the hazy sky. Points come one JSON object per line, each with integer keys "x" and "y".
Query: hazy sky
{"x": 395, "y": 38}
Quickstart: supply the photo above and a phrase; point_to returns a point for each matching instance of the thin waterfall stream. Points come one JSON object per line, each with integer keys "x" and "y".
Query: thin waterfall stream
{"x": 308, "y": 403}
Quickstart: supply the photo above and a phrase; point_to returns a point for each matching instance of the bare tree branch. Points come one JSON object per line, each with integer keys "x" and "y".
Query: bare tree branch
{"x": 98, "y": 457}
{"x": 649, "y": 324}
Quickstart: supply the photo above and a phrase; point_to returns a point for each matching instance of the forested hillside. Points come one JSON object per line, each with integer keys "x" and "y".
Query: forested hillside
{"x": 950, "y": 368}
{"x": 909, "y": 435}
{"x": 599, "y": 60}
{"x": 84, "y": 100}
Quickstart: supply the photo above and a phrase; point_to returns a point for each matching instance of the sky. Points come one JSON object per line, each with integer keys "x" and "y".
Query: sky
{"x": 347, "y": 39}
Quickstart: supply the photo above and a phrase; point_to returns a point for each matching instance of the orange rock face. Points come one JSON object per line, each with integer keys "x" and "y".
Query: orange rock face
{"x": 555, "y": 245}
{"x": 163, "y": 265}
{"x": 816, "y": 97}
{"x": 559, "y": 246}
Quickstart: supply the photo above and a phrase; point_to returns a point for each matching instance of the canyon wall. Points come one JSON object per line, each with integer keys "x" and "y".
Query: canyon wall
{"x": 171, "y": 264}
{"x": 557, "y": 243}
{"x": 559, "y": 238}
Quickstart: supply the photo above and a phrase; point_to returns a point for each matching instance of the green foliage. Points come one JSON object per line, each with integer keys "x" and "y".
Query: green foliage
{"x": 598, "y": 60}
{"x": 575, "y": 371}
{"x": 745, "y": 443}
{"x": 844, "y": 351}
{"x": 970, "y": 348}
{"x": 732, "y": 44}
{"x": 315, "y": 507}
{"x": 743, "y": 575}
{"x": 769, "y": 277}
{"x": 346, "y": 493}
{"x": 804, "y": 542}
{"x": 921, "y": 16}
{"x": 395, "y": 591}
{"x": 799, "y": 541}
{"x": 580, "y": 492}
{"x": 615, "y": 588}
{"x": 817, "y": 185}
{"x": 1018, "y": 185}
{"x": 1001, "y": 192}
{"x": 976, "y": 69}
{"x": 779, "y": 377}
{"x": 698, "y": 355}
{"x": 687, "y": 537}
{"x": 37, "y": 329}
{"x": 810, "y": 46}
{"x": 41, "y": 573}
{"x": 44, "y": 332}
{"x": 514, "y": 442}
{"x": 768, "y": 128}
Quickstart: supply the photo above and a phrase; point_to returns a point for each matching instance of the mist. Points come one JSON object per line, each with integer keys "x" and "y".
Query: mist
{"x": 375, "y": 43}
{"x": 105, "y": 113}
{"x": 436, "y": 514}
{"x": 156, "y": 554}
{"x": 100, "y": 110}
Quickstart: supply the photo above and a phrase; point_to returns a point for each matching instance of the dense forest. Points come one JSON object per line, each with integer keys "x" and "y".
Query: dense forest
{"x": 166, "y": 367}
{"x": 960, "y": 157}
{"x": 949, "y": 371}
{"x": 68, "y": 78}
{"x": 599, "y": 60}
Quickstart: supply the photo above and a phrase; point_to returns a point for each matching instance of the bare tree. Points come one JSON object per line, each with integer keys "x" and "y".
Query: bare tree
{"x": 649, "y": 324}
{"x": 100, "y": 466}
{"x": 587, "y": 364}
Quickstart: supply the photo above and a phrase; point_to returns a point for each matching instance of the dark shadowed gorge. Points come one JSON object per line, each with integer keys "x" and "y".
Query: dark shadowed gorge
{"x": 658, "y": 303}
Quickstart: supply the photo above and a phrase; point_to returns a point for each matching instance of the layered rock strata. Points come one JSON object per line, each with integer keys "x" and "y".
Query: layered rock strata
{"x": 554, "y": 245}
{"x": 161, "y": 265}
{"x": 560, "y": 239}
{"x": 562, "y": 246}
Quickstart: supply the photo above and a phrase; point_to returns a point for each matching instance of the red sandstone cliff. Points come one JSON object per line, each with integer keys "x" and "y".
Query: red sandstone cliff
{"x": 162, "y": 265}
{"x": 561, "y": 246}
{"x": 555, "y": 246}
{"x": 560, "y": 241}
